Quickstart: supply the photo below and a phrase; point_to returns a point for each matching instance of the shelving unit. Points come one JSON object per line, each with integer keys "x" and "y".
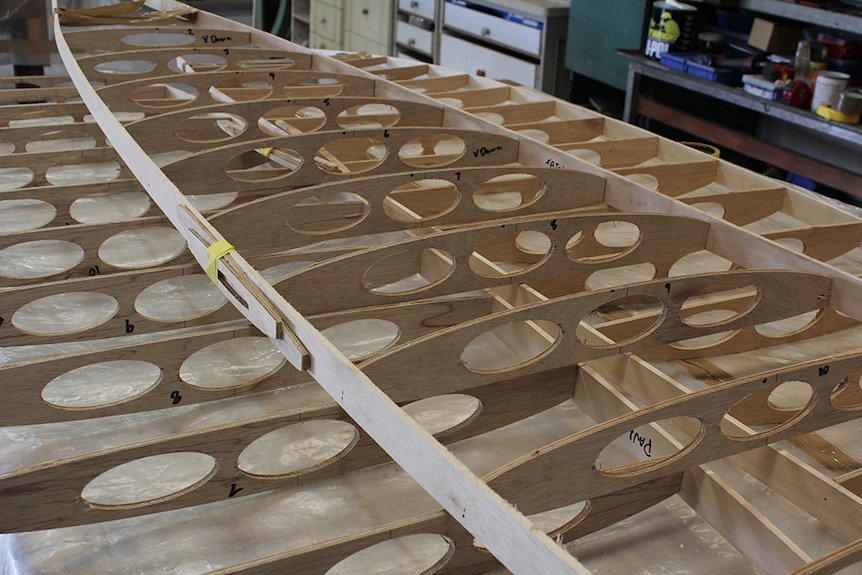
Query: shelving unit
{"x": 817, "y": 16}
{"x": 361, "y": 25}
{"x": 522, "y": 41}
{"x": 787, "y": 156}
{"x": 301, "y": 19}
{"x": 790, "y": 138}
{"x": 417, "y": 29}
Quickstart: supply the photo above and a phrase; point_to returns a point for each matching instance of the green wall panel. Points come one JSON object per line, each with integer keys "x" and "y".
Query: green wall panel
{"x": 596, "y": 29}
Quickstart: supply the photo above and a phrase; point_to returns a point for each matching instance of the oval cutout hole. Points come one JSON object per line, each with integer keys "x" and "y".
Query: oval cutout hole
{"x": 792, "y": 244}
{"x": 649, "y": 446}
{"x": 509, "y": 192}
{"x": 154, "y": 39}
{"x": 704, "y": 341}
{"x": 196, "y": 63}
{"x": 553, "y": 522}
{"x": 443, "y": 415}
{"x": 432, "y": 150}
{"x": 142, "y": 248}
{"x": 718, "y": 304}
{"x": 421, "y": 200}
{"x": 61, "y": 142}
{"x": 39, "y": 259}
{"x": 362, "y": 338}
{"x": 102, "y": 384}
{"x": 241, "y": 89}
{"x": 789, "y": 326}
{"x": 14, "y": 178}
{"x": 313, "y": 88}
{"x": 621, "y": 321}
{"x": 327, "y": 213}
{"x": 409, "y": 271}
{"x": 350, "y": 155}
{"x": 268, "y": 63}
{"x": 848, "y": 393}
{"x": 180, "y": 298}
{"x": 232, "y": 364}
{"x": 263, "y": 165}
{"x": 712, "y": 209}
{"x": 211, "y": 127}
{"x": 150, "y": 480}
{"x": 93, "y": 173}
{"x": 110, "y": 207}
{"x": 291, "y": 120}
{"x": 699, "y": 262}
{"x": 603, "y": 242}
{"x": 418, "y": 554}
{"x": 25, "y": 214}
{"x": 365, "y": 116}
{"x": 297, "y": 449}
{"x": 511, "y": 346}
{"x": 614, "y": 277}
{"x": 164, "y": 95}
{"x": 65, "y": 313}
{"x": 648, "y": 181}
{"x": 768, "y": 410}
{"x": 125, "y": 67}
{"x": 511, "y": 254}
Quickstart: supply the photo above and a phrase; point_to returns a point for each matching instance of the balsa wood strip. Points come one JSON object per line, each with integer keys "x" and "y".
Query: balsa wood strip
{"x": 847, "y": 556}
{"x": 804, "y": 485}
{"x": 735, "y": 518}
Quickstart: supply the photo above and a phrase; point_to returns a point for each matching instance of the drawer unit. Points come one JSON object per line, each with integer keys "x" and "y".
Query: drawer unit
{"x": 318, "y": 42}
{"x": 414, "y": 37}
{"x": 469, "y": 57}
{"x": 504, "y": 28}
{"x": 519, "y": 40}
{"x": 326, "y": 22}
{"x": 424, "y": 8}
{"x": 370, "y": 19}
{"x": 359, "y": 43}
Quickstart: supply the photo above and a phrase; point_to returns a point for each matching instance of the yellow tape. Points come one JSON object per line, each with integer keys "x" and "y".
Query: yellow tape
{"x": 214, "y": 253}
{"x": 828, "y": 112}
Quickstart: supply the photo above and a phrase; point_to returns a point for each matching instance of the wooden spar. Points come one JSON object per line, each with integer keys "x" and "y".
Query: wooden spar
{"x": 486, "y": 515}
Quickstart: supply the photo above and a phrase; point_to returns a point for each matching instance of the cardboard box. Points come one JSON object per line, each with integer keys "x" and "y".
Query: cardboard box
{"x": 774, "y": 38}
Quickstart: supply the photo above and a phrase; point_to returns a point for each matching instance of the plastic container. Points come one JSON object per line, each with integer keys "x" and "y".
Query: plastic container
{"x": 712, "y": 73}
{"x": 757, "y": 85}
{"x": 676, "y": 60}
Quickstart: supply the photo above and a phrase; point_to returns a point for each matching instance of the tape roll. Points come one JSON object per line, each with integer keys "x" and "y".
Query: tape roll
{"x": 830, "y": 113}
{"x": 849, "y": 103}
{"x": 705, "y": 148}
